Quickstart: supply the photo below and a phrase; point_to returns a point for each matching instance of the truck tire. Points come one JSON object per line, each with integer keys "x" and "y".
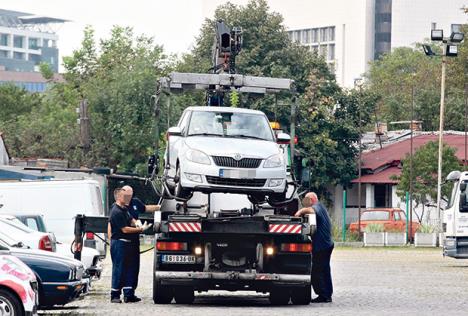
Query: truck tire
{"x": 184, "y": 295}
{"x": 10, "y": 304}
{"x": 161, "y": 294}
{"x": 279, "y": 296}
{"x": 301, "y": 295}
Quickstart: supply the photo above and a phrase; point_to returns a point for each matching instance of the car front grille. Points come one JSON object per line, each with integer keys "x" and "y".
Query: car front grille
{"x": 223, "y": 161}
{"x": 236, "y": 182}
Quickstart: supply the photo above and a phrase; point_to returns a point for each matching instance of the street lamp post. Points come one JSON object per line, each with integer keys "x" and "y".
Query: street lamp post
{"x": 358, "y": 83}
{"x": 450, "y": 49}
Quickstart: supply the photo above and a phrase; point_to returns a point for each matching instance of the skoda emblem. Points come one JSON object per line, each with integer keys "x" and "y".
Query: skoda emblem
{"x": 237, "y": 157}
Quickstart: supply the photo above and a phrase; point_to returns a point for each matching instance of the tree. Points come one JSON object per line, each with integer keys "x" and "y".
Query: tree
{"x": 425, "y": 167}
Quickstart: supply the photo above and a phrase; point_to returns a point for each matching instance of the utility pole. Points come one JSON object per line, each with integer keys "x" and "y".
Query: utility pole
{"x": 441, "y": 132}
{"x": 358, "y": 83}
{"x": 85, "y": 140}
{"x": 411, "y": 166}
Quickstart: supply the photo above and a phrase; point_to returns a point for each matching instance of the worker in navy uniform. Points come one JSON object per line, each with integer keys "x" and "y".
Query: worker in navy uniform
{"x": 322, "y": 247}
{"x": 135, "y": 208}
{"x": 122, "y": 232}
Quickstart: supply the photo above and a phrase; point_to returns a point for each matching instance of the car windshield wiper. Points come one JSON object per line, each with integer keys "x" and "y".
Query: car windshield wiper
{"x": 205, "y": 134}
{"x": 19, "y": 244}
{"x": 246, "y": 136}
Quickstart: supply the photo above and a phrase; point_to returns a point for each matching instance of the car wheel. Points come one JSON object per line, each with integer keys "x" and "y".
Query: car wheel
{"x": 277, "y": 197}
{"x": 10, "y": 305}
{"x": 301, "y": 295}
{"x": 279, "y": 296}
{"x": 180, "y": 191}
{"x": 256, "y": 198}
{"x": 184, "y": 295}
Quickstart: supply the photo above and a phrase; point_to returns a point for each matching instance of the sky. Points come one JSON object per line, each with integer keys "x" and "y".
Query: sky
{"x": 174, "y": 23}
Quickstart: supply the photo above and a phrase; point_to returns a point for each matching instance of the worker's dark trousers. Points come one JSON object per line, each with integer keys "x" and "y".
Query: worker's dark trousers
{"x": 321, "y": 274}
{"x": 135, "y": 262}
{"x": 122, "y": 277}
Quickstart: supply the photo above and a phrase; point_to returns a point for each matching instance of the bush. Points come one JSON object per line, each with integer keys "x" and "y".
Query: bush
{"x": 337, "y": 233}
{"x": 426, "y": 229}
{"x": 374, "y": 228}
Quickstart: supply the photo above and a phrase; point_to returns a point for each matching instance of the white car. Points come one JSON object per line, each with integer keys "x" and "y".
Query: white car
{"x": 224, "y": 149}
{"x": 12, "y": 227}
{"x": 90, "y": 257}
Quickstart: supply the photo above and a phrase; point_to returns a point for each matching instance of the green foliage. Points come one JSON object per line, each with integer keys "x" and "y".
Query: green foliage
{"x": 374, "y": 228}
{"x": 406, "y": 75}
{"x": 425, "y": 166}
{"x": 337, "y": 234}
{"x": 234, "y": 98}
{"x": 426, "y": 229}
{"x": 46, "y": 71}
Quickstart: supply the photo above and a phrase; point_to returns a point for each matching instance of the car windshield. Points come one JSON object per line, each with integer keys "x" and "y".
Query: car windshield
{"x": 375, "y": 216}
{"x": 230, "y": 124}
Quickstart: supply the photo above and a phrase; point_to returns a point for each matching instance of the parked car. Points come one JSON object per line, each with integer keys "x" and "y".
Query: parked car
{"x": 90, "y": 257}
{"x": 224, "y": 149}
{"x": 60, "y": 279}
{"x": 392, "y": 219}
{"x": 11, "y": 226}
{"x": 59, "y": 201}
{"x": 18, "y": 287}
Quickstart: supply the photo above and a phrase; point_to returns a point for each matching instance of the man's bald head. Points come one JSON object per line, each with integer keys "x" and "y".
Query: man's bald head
{"x": 310, "y": 199}
{"x": 128, "y": 189}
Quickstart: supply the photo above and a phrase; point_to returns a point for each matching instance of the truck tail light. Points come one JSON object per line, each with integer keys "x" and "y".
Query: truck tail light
{"x": 296, "y": 247}
{"x": 45, "y": 243}
{"x": 89, "y": 236}
{"x": 171, "y": 246}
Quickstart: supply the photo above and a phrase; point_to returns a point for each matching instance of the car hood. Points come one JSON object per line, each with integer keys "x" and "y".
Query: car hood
{"x": 228, "y": 146}
{"x": 45, "y": 254}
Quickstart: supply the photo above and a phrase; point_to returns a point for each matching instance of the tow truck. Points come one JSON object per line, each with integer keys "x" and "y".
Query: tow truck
{"x": 217, "y": 240}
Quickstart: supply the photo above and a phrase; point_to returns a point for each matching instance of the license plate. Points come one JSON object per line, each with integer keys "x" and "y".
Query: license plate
{"x": 177, "y": 259}
{"x": 237, "y": 174}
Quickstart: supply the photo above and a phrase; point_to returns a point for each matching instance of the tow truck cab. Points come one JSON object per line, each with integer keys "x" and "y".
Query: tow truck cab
{"x": 455, "y": 222}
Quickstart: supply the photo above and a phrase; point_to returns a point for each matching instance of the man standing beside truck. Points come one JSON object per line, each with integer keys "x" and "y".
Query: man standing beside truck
{"x": 121, "y": 235}
{"x": 322, "y": 247}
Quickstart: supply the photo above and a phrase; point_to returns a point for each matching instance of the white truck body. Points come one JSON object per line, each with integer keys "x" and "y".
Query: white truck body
{"x": 58, "y": 200}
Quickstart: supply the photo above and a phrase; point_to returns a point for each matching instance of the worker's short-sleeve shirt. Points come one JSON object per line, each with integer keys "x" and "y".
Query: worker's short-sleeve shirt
{"x": 119, "y": 218}
{"x": 136, "y": 208}
{"x": 322, "y": 238}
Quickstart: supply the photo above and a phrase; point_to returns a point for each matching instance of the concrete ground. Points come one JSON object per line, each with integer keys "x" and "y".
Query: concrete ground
{"x": 367, "y": 281}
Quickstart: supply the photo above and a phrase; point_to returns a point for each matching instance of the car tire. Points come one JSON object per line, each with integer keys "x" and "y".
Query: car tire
{"x": 256, "y": 198}
{"x": 184, "y": 295}
{"x": 10, "y": 304}
{"x": 301, "y": 295}
{"x": 161, "y": 294}
{"x": 279, "y": 296}
{"x": 277, "y": 197}
{"x": 180, "y": 191}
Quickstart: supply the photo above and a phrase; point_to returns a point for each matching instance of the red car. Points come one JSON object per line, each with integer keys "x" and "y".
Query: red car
{"x": 392, "y": 219}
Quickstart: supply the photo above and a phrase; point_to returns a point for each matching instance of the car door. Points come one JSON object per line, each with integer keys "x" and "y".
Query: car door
{"x": 176, "y": 142}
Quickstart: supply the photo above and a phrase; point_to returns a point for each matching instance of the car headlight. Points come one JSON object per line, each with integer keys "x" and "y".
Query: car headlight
{"x": 274, "y": 161}
{"x": 198, "y": 157}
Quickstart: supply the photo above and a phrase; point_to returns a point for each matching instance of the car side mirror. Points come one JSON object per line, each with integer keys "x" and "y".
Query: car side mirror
{"x": 174, "y": 131}
{"x": 283, "y": 138}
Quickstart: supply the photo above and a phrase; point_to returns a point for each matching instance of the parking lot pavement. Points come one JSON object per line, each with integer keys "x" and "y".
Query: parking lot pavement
{"x": 392, "y": 281}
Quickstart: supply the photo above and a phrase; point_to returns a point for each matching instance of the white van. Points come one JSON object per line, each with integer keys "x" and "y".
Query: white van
{"x": 59, "y": 201}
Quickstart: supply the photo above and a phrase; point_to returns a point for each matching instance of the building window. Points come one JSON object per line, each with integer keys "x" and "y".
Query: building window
{"x": 323, "y": 35}
{"x": 331, "y": 33}
{"x": 18, "y": 55}
{"x": 35, "y": 58}
{"x": 4, "y": 39}
{"x": 456, "y": 28}
{"x": 305, "y": 36}
{"x": 4, "y": 53}
{"x": 314, "y": 38}
{"x": 18, "y": 41}
{"x": 331, "y": 52}
{"x": 433, "y": 25}
{"x": 33, "y": 43}
{"x": 323, "y": 51}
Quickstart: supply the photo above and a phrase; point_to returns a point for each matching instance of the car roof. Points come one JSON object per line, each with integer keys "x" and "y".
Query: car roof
{"x": 223, "y": 109}
{"x": 387, "y": 209}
